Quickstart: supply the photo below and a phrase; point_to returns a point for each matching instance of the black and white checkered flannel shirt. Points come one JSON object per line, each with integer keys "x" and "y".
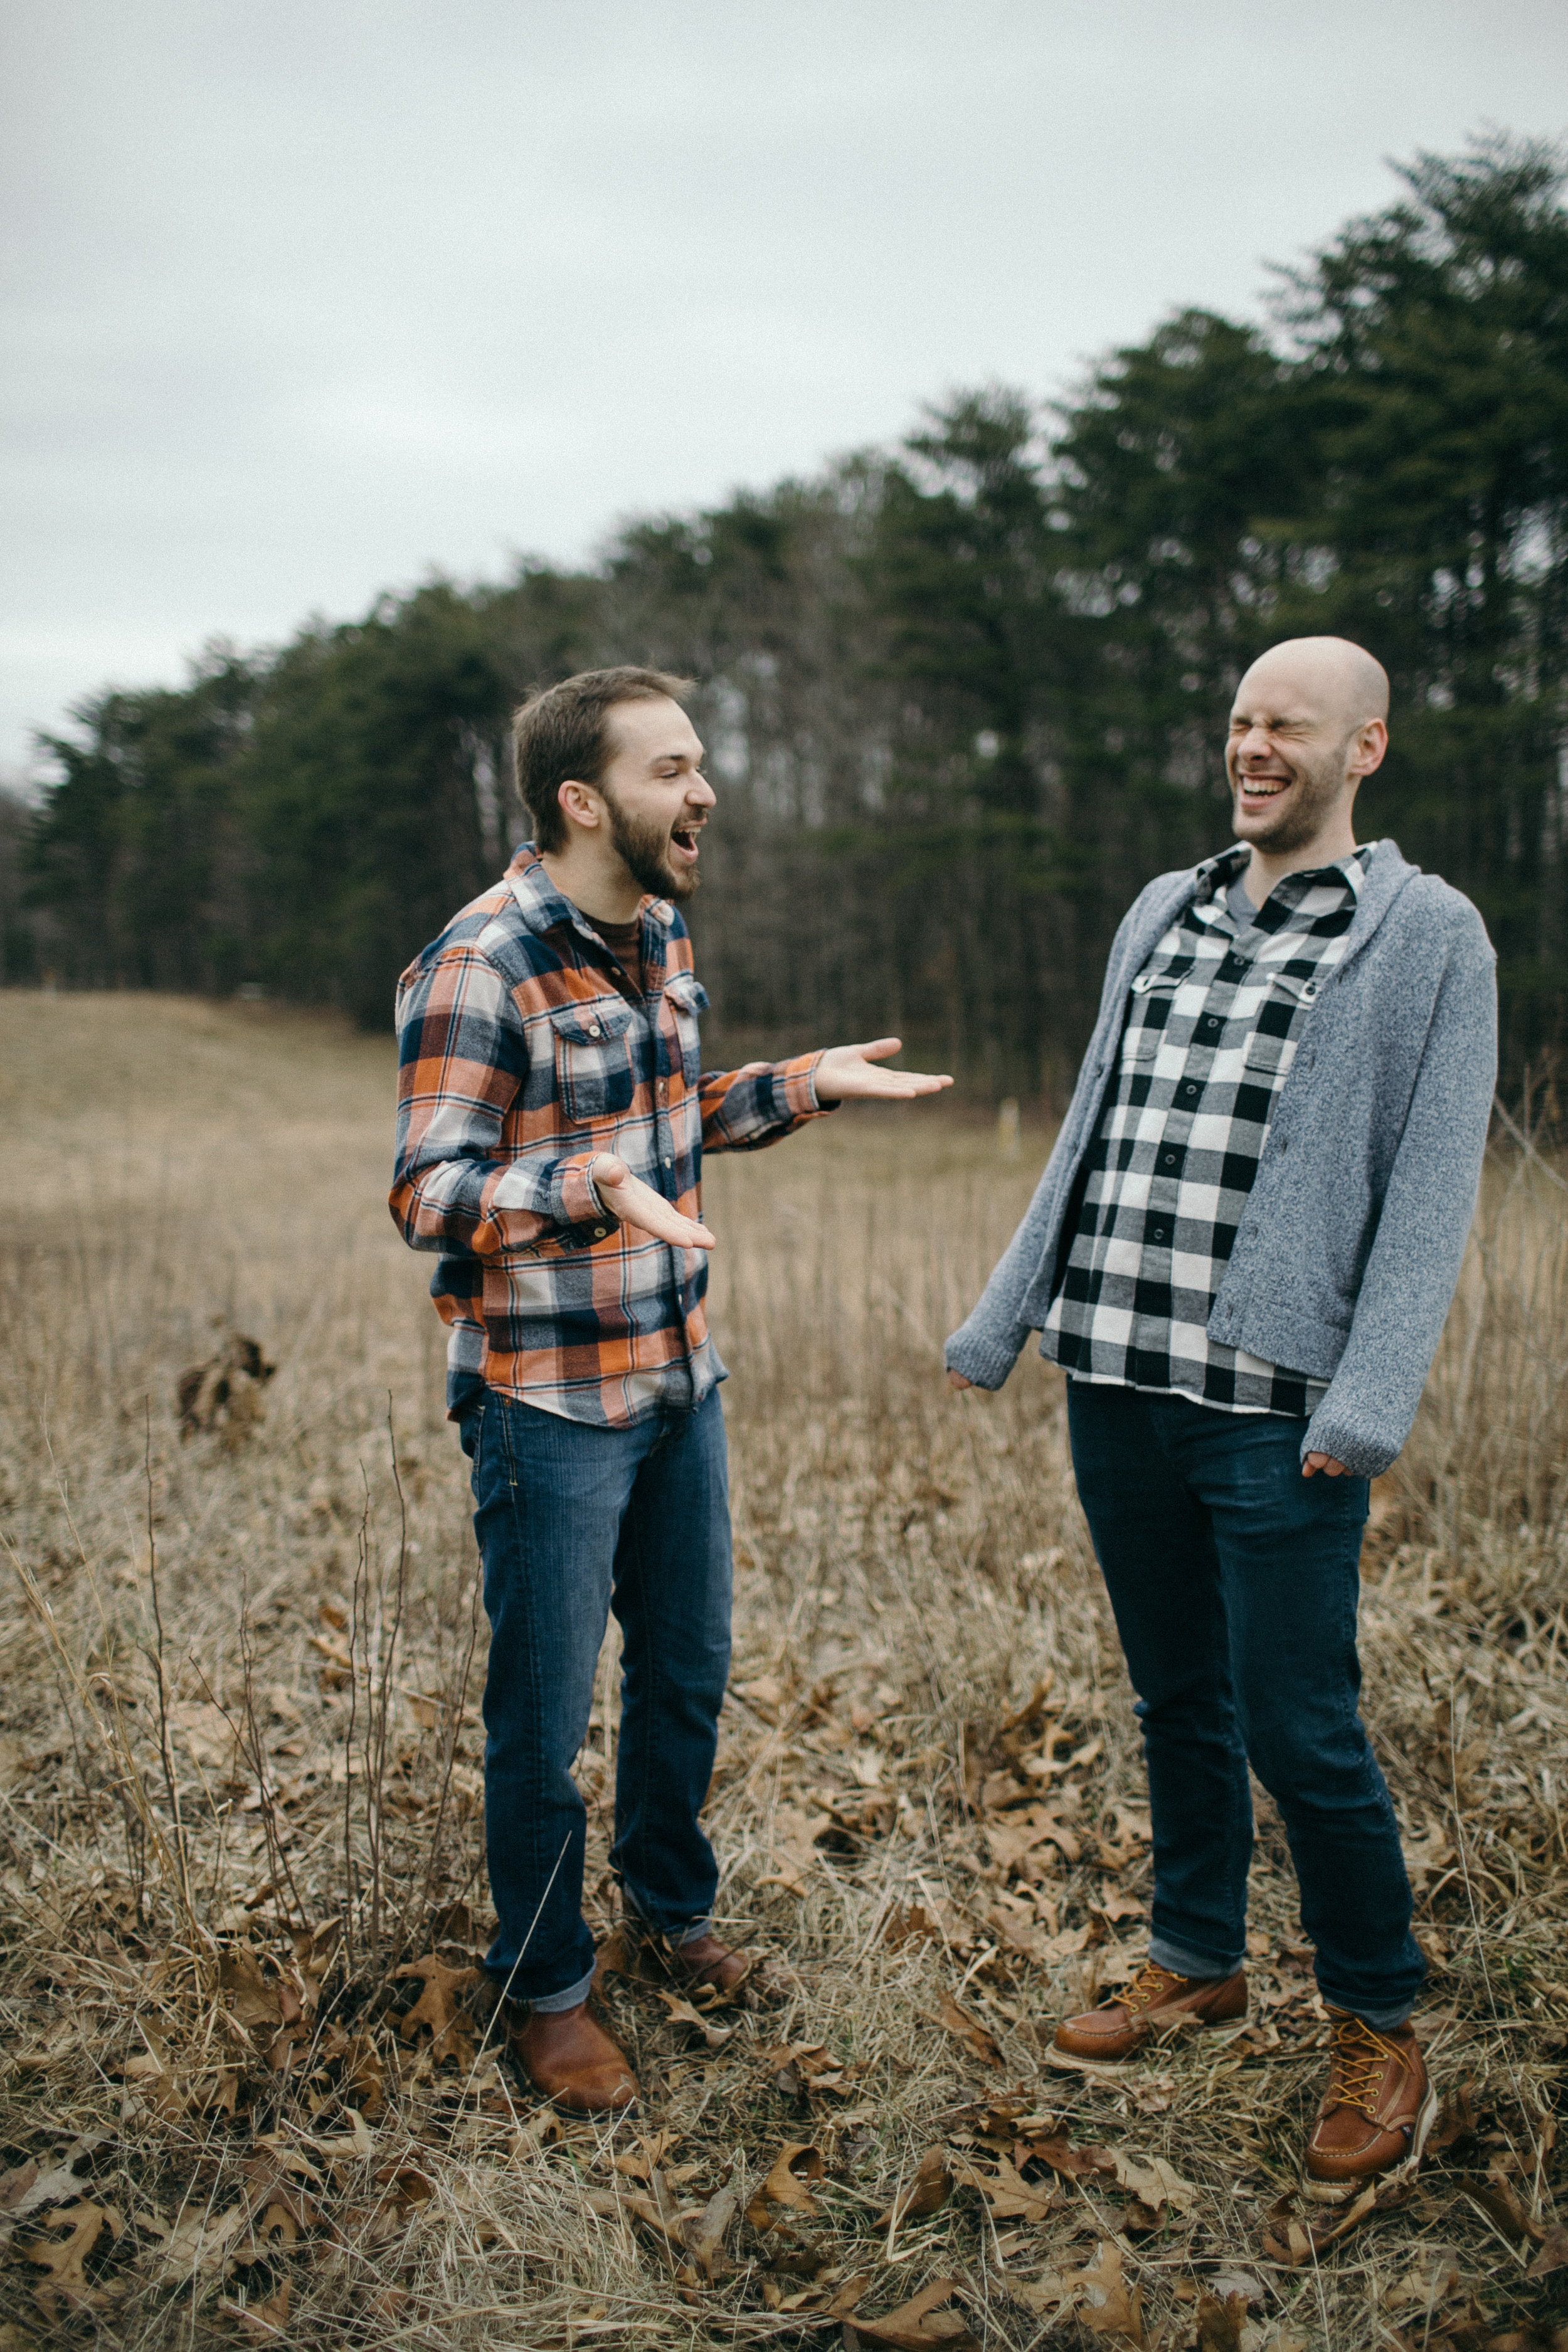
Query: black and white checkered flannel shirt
{"x": 1213, "y": 1024}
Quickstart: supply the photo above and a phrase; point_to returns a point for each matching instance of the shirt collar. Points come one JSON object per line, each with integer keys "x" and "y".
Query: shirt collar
{"x": 1216, "y": 874}
{"x": 543, "y": 908}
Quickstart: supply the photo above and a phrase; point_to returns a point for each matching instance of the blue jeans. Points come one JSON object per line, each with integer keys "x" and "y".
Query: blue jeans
{"x": 1235, "y": 1584}
{"x": 573, "y": 1520}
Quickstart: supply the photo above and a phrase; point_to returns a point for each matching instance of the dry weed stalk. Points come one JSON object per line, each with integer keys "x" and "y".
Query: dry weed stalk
{"x": 248, "y": 2125}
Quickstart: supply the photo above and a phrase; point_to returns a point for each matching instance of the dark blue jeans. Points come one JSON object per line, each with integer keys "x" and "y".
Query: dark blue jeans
{"x": 1235, "y": 1584}
{"x": 573, "y": 1520}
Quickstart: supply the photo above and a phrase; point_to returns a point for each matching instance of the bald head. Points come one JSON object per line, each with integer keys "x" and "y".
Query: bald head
{"x": 1341, "y": 680}
{"x": 1309, "y": 721}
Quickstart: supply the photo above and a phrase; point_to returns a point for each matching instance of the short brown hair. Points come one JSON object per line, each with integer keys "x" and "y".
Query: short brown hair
{"x": 562, "y": 733}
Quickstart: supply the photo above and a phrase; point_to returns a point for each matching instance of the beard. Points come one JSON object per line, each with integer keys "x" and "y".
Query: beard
{"x": 643, "y": 848}
{"x": 1319, "y": 785}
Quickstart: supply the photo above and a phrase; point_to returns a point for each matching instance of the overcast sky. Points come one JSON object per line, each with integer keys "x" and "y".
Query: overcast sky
{"x": 302, "y": 302}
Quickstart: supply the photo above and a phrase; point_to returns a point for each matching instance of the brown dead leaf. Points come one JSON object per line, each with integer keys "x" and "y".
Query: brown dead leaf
{"x": 358, "y": 2141}
{"x": 198, "y": 2244}
{"x": 66, "y": 2289}
{"x": 437, "y": 2006}
{"x": 1553, "y": 2254}
{"x": 796, "y": 2163}
{"x": 640, "y": 2163}
{"x": 683, "y": 2012}
{"x": 17, "y": 2184}
{"x": 1220, "y": 2324}
{"x": 969, "y": 2031}
{"x": 928, "y": 2192}
{"x": 263, "y": 2323}
{"x": 1008, "y": 2194}
{"x": 1104, "y": 2305}
{"x": 1432, "y": 2278}
{"x": 1497, "y": 2196}
{"x": 1112, "y": 1907}
{"x": 363, "y": 2075}
{"x": 793, "y": 1857}
{"x": 913, "y": 1924}
{"x": 1055, "y": 2149}
{"x": 1457, "y": 2120}
{"x": 1155, "y": 2183}
{"x": 705, "y": 2236}
{"x": 27, "y": 2189}
{"x": 253, "y": 2002}
{"x": 919, "y": 2323}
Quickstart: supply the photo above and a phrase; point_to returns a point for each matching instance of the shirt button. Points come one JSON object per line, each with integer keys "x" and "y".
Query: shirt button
{"x": 1191, "y": 1086}
{"x": 1159, "y": 1232}
{"x": 1170, "y": 1159}
{"x": 599, "y": 1232}
{"x": 593, "y": 1029}
{"x": 666, "y": 1159}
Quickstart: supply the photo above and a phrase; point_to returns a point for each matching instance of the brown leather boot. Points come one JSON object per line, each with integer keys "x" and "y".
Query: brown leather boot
{"x": 1375, "y": 2116}
{"x": 567, "y": 2055}
{"x": 706, "y": 1961}
{"x": 1155, "y": 1999}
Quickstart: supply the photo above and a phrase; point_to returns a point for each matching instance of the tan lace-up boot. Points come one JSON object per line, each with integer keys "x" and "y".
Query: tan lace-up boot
{"x": 1155, "y": 1999}
{"x": 1376, "y": 2114}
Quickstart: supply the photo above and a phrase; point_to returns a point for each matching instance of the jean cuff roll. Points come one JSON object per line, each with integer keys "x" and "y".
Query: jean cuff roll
{"x": 551, "y": 2004}
{"x": 1382, "y": 2021}
{"x": 1183, "y": 1960}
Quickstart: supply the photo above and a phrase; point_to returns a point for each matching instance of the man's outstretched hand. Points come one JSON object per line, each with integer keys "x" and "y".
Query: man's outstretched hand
{"x": 634, "y": 1202}
{"x": 851, "y": 1070}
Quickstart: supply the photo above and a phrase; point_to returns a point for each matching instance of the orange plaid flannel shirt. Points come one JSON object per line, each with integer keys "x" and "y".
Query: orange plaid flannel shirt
{"x": 523, "y": 1050}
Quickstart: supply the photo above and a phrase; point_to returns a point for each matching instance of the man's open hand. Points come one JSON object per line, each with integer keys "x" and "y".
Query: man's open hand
{"x": 631, "y": 1201}
{"x": 847, "y": 1070}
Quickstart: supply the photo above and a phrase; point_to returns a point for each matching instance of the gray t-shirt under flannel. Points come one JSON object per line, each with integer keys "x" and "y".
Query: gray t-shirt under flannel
{"x": 1213, "y": 1024}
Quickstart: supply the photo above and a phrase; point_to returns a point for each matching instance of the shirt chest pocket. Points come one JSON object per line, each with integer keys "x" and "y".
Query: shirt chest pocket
{"x": 687, "y": 999}
{"x": 1272, "y": 1048}
{"x": 593, "y": 1074}
{"x": 1154, "y": 993}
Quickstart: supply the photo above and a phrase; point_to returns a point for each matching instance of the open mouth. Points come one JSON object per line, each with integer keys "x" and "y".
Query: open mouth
{"x": 683, "y": 842}
{"x": 1259, "y": 789}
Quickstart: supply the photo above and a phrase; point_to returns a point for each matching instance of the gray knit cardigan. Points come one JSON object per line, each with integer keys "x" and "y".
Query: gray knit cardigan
{"x": 1351, "y": 1243}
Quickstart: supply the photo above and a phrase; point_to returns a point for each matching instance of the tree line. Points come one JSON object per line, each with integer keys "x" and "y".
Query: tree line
{"x": 961, "y": 698}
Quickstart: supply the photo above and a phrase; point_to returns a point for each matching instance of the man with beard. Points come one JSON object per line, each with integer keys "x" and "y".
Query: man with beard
{"x": 1242, "y": 1252}
{"x": 552, "y": 1117}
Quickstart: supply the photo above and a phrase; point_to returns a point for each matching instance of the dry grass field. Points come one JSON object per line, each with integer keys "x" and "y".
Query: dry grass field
{"x": 247, "y": 2092}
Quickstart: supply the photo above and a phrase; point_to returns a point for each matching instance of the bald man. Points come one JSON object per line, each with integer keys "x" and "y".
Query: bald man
{"x": 1241, "y": 1252}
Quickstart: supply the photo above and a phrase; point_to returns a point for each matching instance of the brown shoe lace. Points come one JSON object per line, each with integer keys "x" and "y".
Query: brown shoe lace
{"x": 1356, "y": 2064}
{"x": 1151, "y": 1984}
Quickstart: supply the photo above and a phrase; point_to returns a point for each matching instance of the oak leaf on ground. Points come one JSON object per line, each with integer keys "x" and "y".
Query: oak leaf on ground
{"x": 796, "y": 2163}
{"x": 1104, "y": 2304}
{"x": 66, "y": 2289}
{"x": 437, "y": 2006}
{"x": 683, "y": 2012}
{"x": 920, "y": 2323}
{"x": 705, "y": 2236}
{"x": 928, "y": 2192}
{"x": 1010, "y": 2197}
{"x": 969, "y": 2031}
{"x": 1220, "y": 2324}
